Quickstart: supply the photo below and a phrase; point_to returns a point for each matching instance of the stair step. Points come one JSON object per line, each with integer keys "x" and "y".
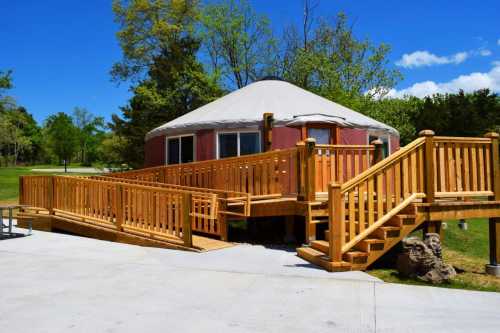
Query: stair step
{"x": 387, "y": 232}
{"x": 319, "y": 212}
{"x": 319, "y": 258}
{"x": 401, "y": 220}
{"x": 370, "y": 244}
{"x": 321, "y": 245}
{"x": 356, "y": 257}
{"x": 316, "y": 221}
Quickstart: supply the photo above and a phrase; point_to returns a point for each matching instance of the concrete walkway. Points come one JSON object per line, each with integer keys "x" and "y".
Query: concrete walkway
{"x": 60, "y": 283}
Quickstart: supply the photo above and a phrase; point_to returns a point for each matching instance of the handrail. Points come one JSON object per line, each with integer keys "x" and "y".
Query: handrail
{"x": 461, "y": 139}
{"x": 382, "y": 220}
{"x": 243, "y": 199}
{"x": 427, "y": 168}
{"x": 258, "y": 174}
{"x": 125, "y": 207}
{"x": 387, "y": 161}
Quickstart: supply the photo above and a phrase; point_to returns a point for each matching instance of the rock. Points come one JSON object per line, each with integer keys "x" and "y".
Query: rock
{"x": 423, "y": 260}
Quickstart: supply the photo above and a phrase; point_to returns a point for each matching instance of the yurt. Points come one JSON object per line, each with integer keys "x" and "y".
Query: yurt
{"x": 234, "y": 125}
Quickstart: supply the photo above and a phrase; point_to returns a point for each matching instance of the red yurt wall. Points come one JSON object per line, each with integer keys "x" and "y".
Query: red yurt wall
{"x": 154, "y": 151}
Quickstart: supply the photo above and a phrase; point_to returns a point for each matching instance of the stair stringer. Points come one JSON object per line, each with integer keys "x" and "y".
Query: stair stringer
{"x": 391, "y": 242}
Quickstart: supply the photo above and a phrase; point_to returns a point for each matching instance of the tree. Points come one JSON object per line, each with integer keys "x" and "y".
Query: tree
{"x": 147, "y": 28}
{"x": 461, "y": 114}
{"x": 90, "y": 134}
{"x": 5, "y": 80}
{"x": 62, "y": 137}
{"x": 176, "y": 85}
{"x": 239, "y": 42}
{"x": 397, "y": 113}
{"x": 157, "y": 41}
{"x": 111, "y": 149}
{"x": 5, "y": 84}
{"x": 333, "y": 63}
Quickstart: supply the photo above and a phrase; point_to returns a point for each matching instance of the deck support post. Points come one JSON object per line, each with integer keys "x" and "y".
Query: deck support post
{"x": 289, "y": 229}
{"x": 494, "y": 223}
{"x": 268, "y": 130}
{"x": 336, "y": 226}
{"x": 310, "y": 170}
{"x": 186, "y": 220}
{"x": 378, "y": 151}
{"x": 435, "y": 227}
{"x": 428, "y": 164}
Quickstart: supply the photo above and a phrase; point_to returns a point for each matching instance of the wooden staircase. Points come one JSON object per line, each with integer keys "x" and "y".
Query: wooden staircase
{"x": 316, "y": 213}
{"x": 375, "y": 210}
{"x": 367, "y": 251}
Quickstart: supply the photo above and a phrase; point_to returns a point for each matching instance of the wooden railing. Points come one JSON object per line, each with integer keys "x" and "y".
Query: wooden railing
{"x": 229, "y": 202}
{"x": 429, "y": 167}
{"x": 303, "y": 171}
{"x": 205, "y": 205}
{"x": 339, "y": 163}
{"x": 212, "y": 206}
{"x": 36, "y": 190}
{"x": 261, "y": 174}
{"x": 462, "y": 166}
{"x": 151, "y": 211}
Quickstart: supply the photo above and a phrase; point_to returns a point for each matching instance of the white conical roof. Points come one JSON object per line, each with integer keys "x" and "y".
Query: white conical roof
{"x": 245, "y": 107}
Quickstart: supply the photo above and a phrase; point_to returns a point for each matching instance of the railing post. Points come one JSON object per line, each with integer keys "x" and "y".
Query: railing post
{"x": 163, "y": 177}
{"x": 186, "y": 220}
{"x": 336, "y": 226}
{"x": 21, "y": 190}
{"x": 120, "y": 216}
{"x": 494, "y": 223}
{"x": 51, "y": 195}
{"x": 300, "y": 170}
{"x": 222, "y": 217}
{"x": 428, "y": 164}
{"x": 310, "y": 170}
{"x": 378, "y": 152}
{"x": 268, "y": 130}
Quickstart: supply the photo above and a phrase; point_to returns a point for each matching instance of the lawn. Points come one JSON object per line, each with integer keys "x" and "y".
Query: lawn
{"x": 467, "y": 251}
{"x": 9, "y": 180}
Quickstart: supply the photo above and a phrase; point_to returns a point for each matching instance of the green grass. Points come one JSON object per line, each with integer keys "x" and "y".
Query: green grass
{"x": 467, "y": 251}
{"x": 474, "y": 241}
{"x": 9, "y": 180}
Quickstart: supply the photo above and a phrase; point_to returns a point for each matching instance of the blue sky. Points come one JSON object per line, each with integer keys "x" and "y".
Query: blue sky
{"x": 61, "y": 51}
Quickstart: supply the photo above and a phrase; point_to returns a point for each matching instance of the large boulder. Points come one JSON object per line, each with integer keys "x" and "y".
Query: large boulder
{"x": 423, "y": 260}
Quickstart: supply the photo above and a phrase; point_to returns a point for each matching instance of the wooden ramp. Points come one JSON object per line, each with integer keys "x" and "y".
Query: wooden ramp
{"x": 45, "y": 222}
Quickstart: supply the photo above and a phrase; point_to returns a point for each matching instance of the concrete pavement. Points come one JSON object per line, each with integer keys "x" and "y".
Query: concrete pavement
{"x": 59, "y": 283}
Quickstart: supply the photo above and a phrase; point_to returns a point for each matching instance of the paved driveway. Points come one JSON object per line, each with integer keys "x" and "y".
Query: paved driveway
{"x": 60, "y": 283}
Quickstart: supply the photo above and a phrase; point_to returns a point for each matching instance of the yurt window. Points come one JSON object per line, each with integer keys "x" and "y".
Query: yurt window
{"x": 322, "y": 135}
{"x": 232, "y": 144}
{"x": 180, "y": 149}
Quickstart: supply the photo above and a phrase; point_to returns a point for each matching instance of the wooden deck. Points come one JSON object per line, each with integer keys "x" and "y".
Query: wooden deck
{"x": 366, "y": 203}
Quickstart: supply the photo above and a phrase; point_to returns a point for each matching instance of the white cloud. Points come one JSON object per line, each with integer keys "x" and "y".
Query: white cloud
{"x": 468, "y": 83}
{"x": 484, "y": 52}
{"x": 425, "y": 58}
